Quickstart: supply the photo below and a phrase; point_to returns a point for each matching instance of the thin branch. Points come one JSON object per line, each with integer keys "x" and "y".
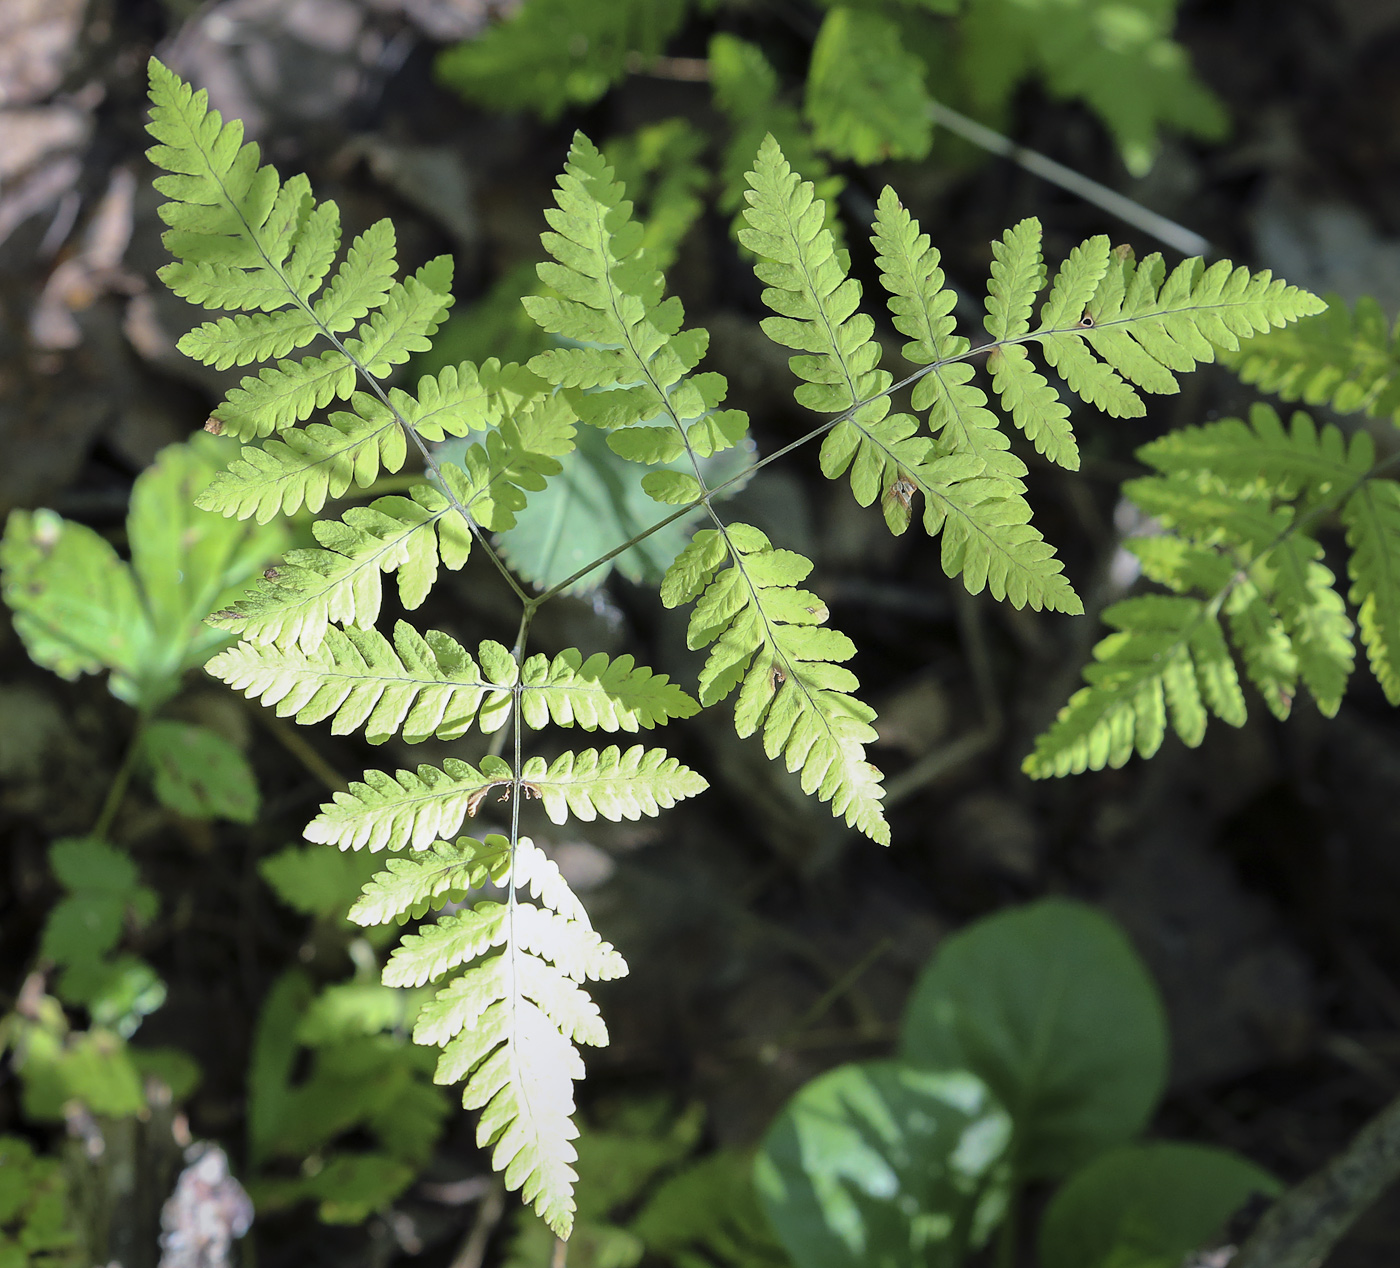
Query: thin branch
{"x": 1303, "y": 1226}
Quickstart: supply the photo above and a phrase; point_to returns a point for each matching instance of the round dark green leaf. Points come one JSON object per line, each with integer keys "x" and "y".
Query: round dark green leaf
{"x": 1053, "y": 1008}
{"x": 200, "y": 774}
{"x": 882, "y": 1166}
{"x": 1147, "y": 1206}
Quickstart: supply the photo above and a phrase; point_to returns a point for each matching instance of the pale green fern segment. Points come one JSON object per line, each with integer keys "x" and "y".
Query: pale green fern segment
{"x": 422, "y": 685}
{"x": 971, "y": 491}
{"x": 1168, "y": 661}
{"x": 1372, "y": 518}
{"x": 769, "y": 639}
{"x": 308, "y": 465}
{"x": 608, "y": 297}
{"x": 1346, "y": 359}
{"x": 507, "y": 1022}
{"x": 414, "y": 809}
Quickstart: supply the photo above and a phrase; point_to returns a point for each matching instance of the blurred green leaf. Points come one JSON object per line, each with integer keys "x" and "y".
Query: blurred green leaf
{"x": 1147, "y": 1206}
{"x": 200, "y": 774}
{"x": 883, "y": 1166}
{"x": 1051, "y": 1005}
{"x": 318, "y": 881}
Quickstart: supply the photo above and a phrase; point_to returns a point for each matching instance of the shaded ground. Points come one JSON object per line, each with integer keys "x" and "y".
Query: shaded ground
{"x": 1259, "y": 875}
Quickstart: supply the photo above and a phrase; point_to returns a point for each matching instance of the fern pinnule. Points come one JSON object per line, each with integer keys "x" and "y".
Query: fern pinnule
{"x": 1372, "y": 519}
{"x": 1347, "y": 359}
{"x": 422, "y": 685}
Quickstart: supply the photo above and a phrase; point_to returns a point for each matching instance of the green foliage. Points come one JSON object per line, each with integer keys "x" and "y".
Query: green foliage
{"x": 1346, "y": 359}
{"x": 1116, "y": 57}
{"x": 364, "y": 1076}
{"x": 35, "y": 1223}
{"x": 1014, "y": 998}
{"x": 554, "y": 53}
{"x": 81, "y": 609}
{"x": 884, "y": 1163}
{"x": 1147, "y": 1206}
{"x": 508, "y": 1008}
{"x": 865, "y": 93}
{"x": 1237, "y": 501}
{"x": 316, "y": 882}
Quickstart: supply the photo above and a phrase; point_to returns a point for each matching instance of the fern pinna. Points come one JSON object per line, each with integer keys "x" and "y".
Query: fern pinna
{"x": 1238, "y": 504}
{"x": 511, "y": 1008}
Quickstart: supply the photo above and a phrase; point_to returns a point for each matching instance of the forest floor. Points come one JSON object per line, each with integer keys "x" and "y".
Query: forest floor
{"x": 1259, "y": 875}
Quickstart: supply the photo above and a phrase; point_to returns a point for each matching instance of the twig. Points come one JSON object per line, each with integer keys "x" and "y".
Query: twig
{"x": 473, "y": 1250}
{"x": 1168, "y": 232}
{"x": 1304, "y": 1225}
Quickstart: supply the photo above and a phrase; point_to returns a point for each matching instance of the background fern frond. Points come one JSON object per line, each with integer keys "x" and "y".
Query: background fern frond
{"x": 1372, "y": 518}
{"x": 865, "y": 96}
{"x": 1348, "y": 359}
{"x": 1238, "y": 501}
{"x": 423, "y": 685}
{"x": 554, "y": 53}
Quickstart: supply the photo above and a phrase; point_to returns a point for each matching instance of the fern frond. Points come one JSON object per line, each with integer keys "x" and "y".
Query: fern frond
{"x": 598, "y": 693}
{"x": 1372, "y": 519}
{"x": 978, "y": 503}
{"x": 769, "y": 636}
{"x": 1168, "y": 661}
{"x": 1238, "y": 499}
{"x": 865, "y": 96}
{"x": 508, "y": 1022}
{"x": 1346, "y": 359}
{"x": 408, "y": 809}
{"x": 609, "y": 782}
{"x": 1144, "y": 327}
{"x": 423, "y": 685}
{"x": 444, "y": 872}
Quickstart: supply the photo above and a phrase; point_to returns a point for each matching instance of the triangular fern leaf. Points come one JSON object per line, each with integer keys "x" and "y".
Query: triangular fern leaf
{"x": 598, "y": 693}
{"x": 1168, "y": 661}
{"x": 608, "y": 296}
{"x": 768, "y": 635}
{"x": 423, "y": 685}
{"x": 609, "y": 782}
{"x": 1349, "y": 360}
{"x": 809, "y": 287}
{"x": 1372, "y": 518}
